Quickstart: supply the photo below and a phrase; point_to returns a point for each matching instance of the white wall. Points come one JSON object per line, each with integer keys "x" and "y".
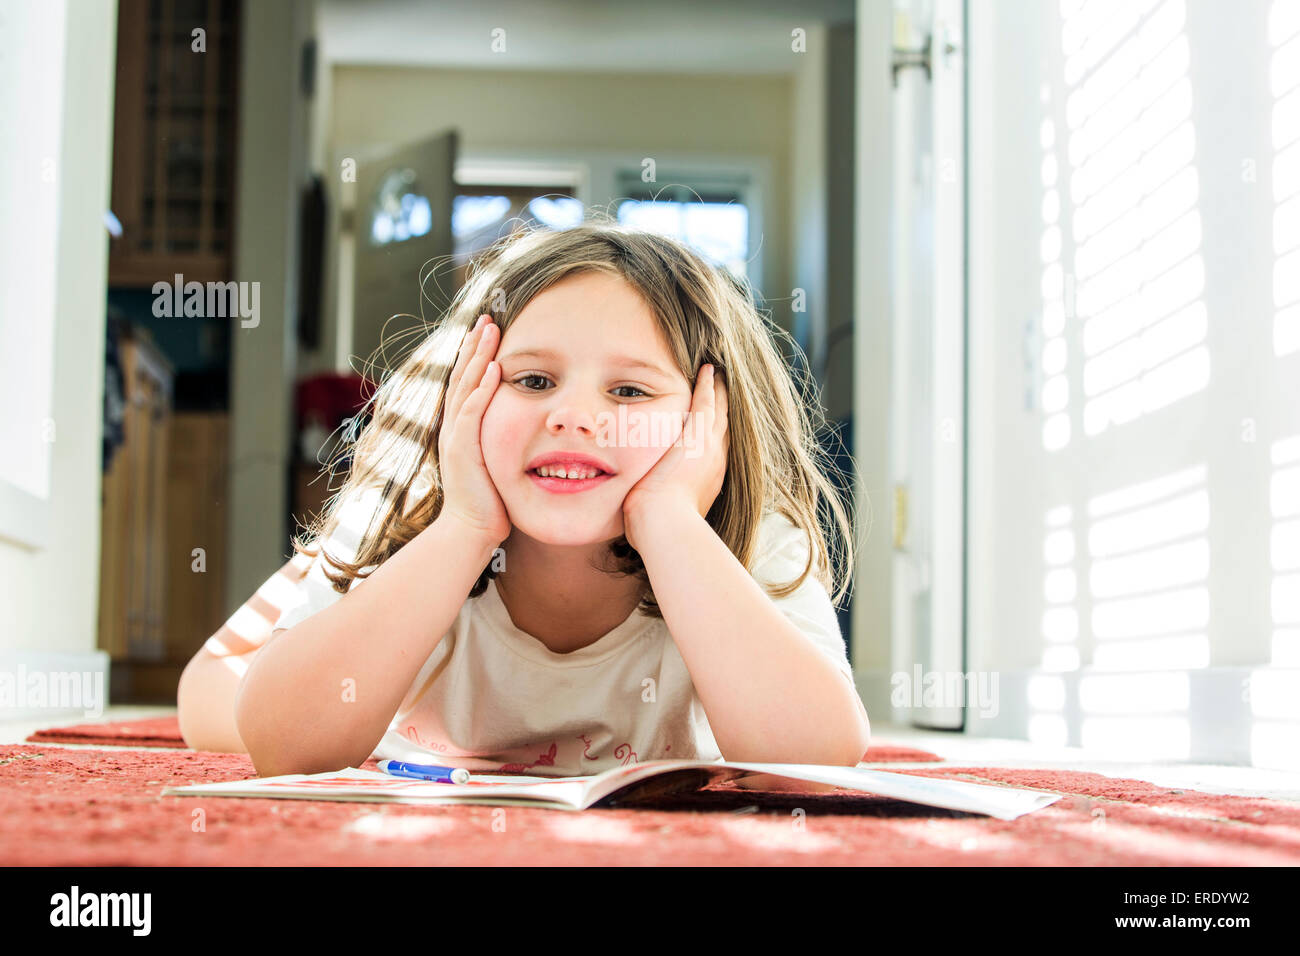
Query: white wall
{"x": 51, "y": 594}
{"x": 274, "y": 155}
{"x": 1222, "y": 685}
{"x": 873, "y": 104}
{"x": 808, "y": 190}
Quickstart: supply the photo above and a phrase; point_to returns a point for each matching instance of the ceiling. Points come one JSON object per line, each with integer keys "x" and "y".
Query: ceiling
{"x": 658, "y": 36}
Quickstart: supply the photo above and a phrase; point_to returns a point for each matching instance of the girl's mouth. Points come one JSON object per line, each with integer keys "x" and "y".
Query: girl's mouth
{"x": 564, "y": 486}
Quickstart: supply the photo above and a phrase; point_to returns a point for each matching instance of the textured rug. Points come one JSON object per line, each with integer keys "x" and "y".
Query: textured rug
{"x": 155, "y": 732}
{"x": 73, "y": 807}
{"x": 165, "y": 732}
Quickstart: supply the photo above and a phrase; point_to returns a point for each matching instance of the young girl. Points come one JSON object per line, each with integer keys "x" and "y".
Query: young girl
{"x": 568, "y": 541}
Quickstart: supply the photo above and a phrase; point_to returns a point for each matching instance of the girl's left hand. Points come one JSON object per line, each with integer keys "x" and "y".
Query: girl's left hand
{"x": 679, "y": 479}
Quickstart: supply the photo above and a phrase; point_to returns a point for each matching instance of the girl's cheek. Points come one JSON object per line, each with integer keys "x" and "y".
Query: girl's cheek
{"x": 636, "y": 461}
{"x": 641, "y": 460}
{"x": 502, "y": 437}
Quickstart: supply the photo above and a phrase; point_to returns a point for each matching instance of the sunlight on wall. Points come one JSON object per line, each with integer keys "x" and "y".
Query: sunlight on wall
{"x": 1284, "y": 502}
{"x": 1150, "y": 561}
{"x": 1275, "y": 707}
{"x": 1120, "y": 250}
{"x": 1275, "y": 719}
{"x": 1284, "y": 76}
{"x": 1138, "y": 273}
{"x": 1047, "y": 723}
{"x": 1136, "y": 716}
{"x": 1060, "y": 628}
{"x": 1274, "y": 704}
{"x": 1056, "y": 384}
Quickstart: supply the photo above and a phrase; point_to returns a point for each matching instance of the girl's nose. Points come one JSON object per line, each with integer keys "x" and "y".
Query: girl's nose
{"x": 570, "y": 418}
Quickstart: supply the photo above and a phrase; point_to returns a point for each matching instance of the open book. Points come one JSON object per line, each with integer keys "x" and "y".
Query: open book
{"x": 623, "y": 786}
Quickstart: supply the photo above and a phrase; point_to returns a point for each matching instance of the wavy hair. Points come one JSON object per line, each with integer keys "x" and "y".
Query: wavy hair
{"x": 774, "y": 462}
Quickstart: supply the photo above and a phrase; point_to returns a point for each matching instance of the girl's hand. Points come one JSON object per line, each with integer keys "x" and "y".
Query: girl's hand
{"x": 468, "y": 492}
{"x": 679, "y": 480}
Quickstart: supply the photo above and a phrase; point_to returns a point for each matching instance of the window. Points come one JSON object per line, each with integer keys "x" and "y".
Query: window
{"x": 480, "y": 214}
{"x": 401, "y": 211}
{"x": 712, "y": 218}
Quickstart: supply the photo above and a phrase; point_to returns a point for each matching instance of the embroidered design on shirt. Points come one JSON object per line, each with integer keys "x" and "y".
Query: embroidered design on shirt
{"x": 543, "y": 760}
{"x": 625, "y": 752}
{"x": 437, "y": 746}
{"x": 586, "y": 751}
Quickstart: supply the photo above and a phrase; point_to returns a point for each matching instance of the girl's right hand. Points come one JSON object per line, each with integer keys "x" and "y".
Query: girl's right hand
{"x": 469, "y": 494}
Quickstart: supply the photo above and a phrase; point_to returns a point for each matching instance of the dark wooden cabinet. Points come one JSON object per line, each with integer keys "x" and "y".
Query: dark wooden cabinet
{"x": 174, "y": 140}
{"x": 175, "y": 144}
{"x": 132, "y": 580}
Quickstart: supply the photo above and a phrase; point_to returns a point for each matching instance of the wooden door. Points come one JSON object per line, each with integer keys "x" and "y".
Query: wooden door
{"x": 403, "y": 243}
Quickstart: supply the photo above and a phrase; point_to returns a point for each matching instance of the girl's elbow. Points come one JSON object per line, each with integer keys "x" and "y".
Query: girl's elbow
{"x": 863, "y": 743}
{"x": 267, "y": 761}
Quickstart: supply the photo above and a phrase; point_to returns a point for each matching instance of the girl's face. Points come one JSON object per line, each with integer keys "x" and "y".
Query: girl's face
{"x": 572, "y": 382}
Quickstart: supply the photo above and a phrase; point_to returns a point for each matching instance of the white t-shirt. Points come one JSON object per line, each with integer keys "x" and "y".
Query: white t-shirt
{"x": 492, "y": 697}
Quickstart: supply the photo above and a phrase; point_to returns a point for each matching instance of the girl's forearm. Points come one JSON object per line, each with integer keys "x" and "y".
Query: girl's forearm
{"x": 770, "y": 696}
{"x": 320, "y": 695}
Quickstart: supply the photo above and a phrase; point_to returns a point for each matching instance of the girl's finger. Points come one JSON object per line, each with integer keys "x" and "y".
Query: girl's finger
{"x": 470, "y": 410}
{"x": 467, "y": 346}
{"x": 720, "y": 401}
{"x": 705, "y": 390}
{"x": 477, "y": 401}
{"x": 473, "y": 371}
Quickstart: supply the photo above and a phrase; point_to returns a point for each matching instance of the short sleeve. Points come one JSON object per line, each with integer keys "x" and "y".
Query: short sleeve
{"x": 782, "y": 553}
{"x": 315, "y": 592}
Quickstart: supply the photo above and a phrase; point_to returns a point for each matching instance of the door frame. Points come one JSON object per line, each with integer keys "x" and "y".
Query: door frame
{"x": 942, "y": 566}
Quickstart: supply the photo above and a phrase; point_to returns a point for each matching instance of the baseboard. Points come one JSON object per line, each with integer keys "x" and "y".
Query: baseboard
{"x": 1237, "y": 716}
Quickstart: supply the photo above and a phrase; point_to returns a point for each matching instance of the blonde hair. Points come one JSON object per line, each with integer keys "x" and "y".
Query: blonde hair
{"x": 774, "y": 461}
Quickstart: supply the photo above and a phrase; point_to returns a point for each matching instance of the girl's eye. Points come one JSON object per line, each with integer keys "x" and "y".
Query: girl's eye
{"x": 527, "y": 378}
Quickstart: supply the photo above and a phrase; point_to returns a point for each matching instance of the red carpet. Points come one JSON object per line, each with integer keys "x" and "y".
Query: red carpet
{"x": 165, "y": 732}
{"x": 104, "y": 808}
{"x": 156, "y": 732}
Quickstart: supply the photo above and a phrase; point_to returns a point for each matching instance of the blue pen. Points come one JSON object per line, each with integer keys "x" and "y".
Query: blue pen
{"x": 425, "y": 771}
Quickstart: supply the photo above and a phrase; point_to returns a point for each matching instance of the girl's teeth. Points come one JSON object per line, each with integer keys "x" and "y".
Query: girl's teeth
{"x": 547, "y": 472}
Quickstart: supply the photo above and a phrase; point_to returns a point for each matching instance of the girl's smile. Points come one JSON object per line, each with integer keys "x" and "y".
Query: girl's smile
{"x": 567, "y": 486}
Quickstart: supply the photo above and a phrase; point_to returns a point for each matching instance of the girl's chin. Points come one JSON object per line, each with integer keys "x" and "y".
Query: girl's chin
{"x": 566, "y": 530}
